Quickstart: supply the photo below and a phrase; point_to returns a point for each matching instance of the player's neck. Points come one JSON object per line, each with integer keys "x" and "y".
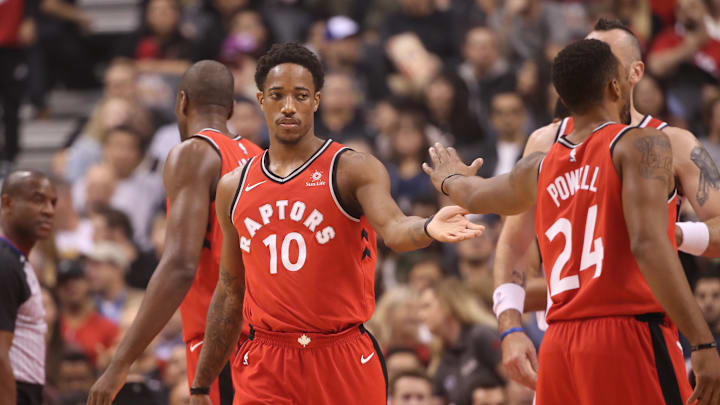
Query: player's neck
{"x": 286, "y": 155}
{"x": 636, "y": 116}
{"x": 585, "y": 124}
{"x": 209, "y": 121}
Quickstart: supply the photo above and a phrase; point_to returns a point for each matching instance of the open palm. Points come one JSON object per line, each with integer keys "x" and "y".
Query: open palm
{"x": 450, "y": 225}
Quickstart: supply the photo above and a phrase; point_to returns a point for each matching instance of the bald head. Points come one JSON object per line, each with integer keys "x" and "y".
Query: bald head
{"x": 21, "y": 181}
{"x": 208, "y": 84}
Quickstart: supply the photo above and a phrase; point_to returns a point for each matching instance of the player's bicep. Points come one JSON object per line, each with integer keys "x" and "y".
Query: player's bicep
{"x": 644, "y": 159}
{"x": 697, "y": 173}
{"x": 541, "y": 140}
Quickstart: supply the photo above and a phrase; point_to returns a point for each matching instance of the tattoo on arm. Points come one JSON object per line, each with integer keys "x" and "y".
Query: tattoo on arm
{"x": 709, "y": 174}
{"x": 656, "y": 158}
{"x": 518, "y": 277}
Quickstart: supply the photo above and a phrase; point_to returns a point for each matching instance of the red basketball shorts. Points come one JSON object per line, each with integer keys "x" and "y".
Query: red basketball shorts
{"x": 612, "y": 360}
{"x": 221, "y": 390}
{"x": 309, "y": 368}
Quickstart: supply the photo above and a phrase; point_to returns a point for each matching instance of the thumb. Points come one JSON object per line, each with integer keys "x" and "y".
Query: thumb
{"x": 427, "y": 169}
{"x": 532, "y": 355}
{"x": 476, "y": 165}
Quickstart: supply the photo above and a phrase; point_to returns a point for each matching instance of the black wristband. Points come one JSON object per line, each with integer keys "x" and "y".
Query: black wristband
{"x": 442, "y": 185}
{"x": 427, "y": 222}
{"x": 703, "y": 346}
{"x": 200, "y": 391}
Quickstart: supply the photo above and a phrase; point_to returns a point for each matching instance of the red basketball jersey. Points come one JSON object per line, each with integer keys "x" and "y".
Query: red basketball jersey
{"x": 582, "y": 232}
{"x": 567, "y": 125}
{"x": 309, "y": 264}
{"x": 193, "y": 310}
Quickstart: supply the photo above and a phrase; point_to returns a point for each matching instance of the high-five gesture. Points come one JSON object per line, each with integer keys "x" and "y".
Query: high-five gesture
{"x": 447, "y": 163}
{"x": 450, "y": 225}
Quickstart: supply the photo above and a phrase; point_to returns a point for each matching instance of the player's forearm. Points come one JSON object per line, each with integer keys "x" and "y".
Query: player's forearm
{"x": 223, "y": 326}
{"x": 514, "y": 240}
{"x": 495, "y": 195}
{"x": 165, "y": 293}
{"x": 713, "y": 249}
{"x": 406, "y": 234}
{"x": 662, "y": 271}
{"x": 7, "y": 381}
{"x": 663, "y": 63}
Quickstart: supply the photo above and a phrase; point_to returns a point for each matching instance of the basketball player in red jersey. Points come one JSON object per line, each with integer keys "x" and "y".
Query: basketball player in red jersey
{"x": 188, "y": 270}
{"x": 604, "y": 234}
{"x": 299, "y": 255}
{"x": 696, "y": 175}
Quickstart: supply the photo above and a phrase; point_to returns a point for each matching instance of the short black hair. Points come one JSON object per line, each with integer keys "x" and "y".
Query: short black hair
{"x": 116, "y": 219}
{"x": 609, "y": 24}
{"x": 581, "y": 71}
{"x": 419, "y": 374}
{"x": 713, "y": 274}
{"x": 289, "y": 52}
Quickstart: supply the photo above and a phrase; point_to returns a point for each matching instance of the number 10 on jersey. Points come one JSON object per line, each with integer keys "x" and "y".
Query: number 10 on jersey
{"x": 271, "y": 243}
{"x": 592, "y": 252}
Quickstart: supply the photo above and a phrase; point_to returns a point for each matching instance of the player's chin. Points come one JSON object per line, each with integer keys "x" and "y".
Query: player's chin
{"x": 289, "y": 137}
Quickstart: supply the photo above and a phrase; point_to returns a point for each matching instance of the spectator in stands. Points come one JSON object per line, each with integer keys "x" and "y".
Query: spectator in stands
{"x": 175, "y": 368}
{"x": 509, "y": 121}
{"x": 475, "y": 258}
{"x": 73, "y": 233}
{"x": 248, "y": 35}
{"x": 17, "y": 32}
{"x": 470, "y": 345}
{"x": 425, "y": 271}
{"x": 77, "y": 374}
{"x": 106, "y": 266}
{"x": 53, "y": 336}
{"x": 120, "y": 79}
{"x": 62, "y": 52}
{"x": 339, "y": 115}
{"x": 400, "y": 359}
{"x": 489, "y": 393}
{"x": 485, "y": 72}
{"x": 214, "y": 26}
{"x": 711, "y": 141}
{"x": 99, "y": 183}
{"x": 434, "y": 27}
{"x": 687, "y": 57}
{"x": 384, "y": 120}
{"x": 447, "y": 101}
{"x": 81, "y": 325}
{"x": 649, "y": 97}
{"x": 180, "y": 393}
{"x": 160, "y": 46}
{"x": 396, "y": 323}
{"x": 113, "y": 226}
{"x": 123, "y": 151}
{"x": 409, "y": 150}
{"x": 344, "y": 51}
{"x": 247, "y": 120}
{"x": 412, "y": 387}
{"x": 707, "y": 294}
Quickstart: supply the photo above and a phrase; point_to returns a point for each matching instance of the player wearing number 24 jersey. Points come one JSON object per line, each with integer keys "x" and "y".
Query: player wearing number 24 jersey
{"x": 605, "y": 197}
{"x": 299, "y": 253}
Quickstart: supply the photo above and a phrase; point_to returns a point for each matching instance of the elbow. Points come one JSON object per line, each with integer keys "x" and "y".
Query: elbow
{"x": 643, "y": 246}
{"x": 182, "y": 270}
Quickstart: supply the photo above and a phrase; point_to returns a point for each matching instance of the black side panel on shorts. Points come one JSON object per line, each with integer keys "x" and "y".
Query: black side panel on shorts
{"x": 663, "y": 363}
{"x": 379, "y": 352}
{"x": 227, "y": 392}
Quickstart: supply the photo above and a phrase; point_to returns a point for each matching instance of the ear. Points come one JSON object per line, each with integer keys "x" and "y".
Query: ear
{"x": 260, "y": 99}
{"x": 6, "y": 202}
{"x": 183, "y": 102}
{"x": 637, "y": 71}
{"x": 316, "y": 101}
{"x": 614, "y": 88}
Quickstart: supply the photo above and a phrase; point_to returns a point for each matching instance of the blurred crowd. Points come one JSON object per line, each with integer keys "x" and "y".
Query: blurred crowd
{"x": 400, "y": 75}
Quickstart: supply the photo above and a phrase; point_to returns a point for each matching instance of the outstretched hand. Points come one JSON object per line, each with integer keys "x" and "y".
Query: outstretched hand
{"x": 450, "y": 225}
{"x": 446, "y": 162}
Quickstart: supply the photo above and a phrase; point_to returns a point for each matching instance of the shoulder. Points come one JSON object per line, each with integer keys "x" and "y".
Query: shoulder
{"x": 12, "y": 272}
{"x": 359, "y": 164}
{"x": 542, "y": 139}
{"x": 191, "y": 159}
{"x": 683, "y": 142}
{"x": 229, "y": 183}
{"x": 647, "y": 145}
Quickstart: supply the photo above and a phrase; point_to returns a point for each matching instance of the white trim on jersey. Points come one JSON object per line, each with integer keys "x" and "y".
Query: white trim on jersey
{"x": 212, "y": 129}
{"x": 601, "y": 126}
{"x": 295, "y": 172}
{"x": 617, "y": 137}
{"x": 239, "y": 191}
{"x": 561, "y": 128}
{"x": 207, "y": 138}
{"x": 336, "y": 157}
{"x": 662, "y": 126}
{"x": 645, "y": 121}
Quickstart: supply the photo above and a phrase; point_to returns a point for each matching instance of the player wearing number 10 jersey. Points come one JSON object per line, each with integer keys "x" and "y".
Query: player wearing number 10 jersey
{"x": 299, "y": 252}
{"x": 605, "y": 227}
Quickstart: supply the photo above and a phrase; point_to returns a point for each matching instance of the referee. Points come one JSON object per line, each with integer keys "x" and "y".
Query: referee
{"x": 26, "y": 214}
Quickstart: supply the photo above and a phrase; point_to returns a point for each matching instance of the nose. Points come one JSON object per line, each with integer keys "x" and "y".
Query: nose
{"x": 48, "y": 209}
{"x": 288, "y": 107}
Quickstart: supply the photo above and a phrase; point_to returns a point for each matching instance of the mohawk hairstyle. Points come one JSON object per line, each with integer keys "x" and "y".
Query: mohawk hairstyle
{"x": 608, "y": 24}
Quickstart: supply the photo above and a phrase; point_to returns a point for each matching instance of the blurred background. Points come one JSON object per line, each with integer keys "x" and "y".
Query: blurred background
{"x": 88, "y": 92}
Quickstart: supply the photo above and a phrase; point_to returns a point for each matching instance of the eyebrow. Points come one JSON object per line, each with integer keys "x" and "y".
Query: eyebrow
{"x": 281, "y": 88}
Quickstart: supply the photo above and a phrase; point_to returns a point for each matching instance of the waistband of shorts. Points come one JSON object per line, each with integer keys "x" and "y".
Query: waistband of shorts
{"x": 305, "y": 340}
{"x": 652, "y": 317}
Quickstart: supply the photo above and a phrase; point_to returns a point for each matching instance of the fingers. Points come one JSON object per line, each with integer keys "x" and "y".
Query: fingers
{"x": 451, "y": 211}
{"x": 434, "y": 156}
{"x": 520, "y": 370}
{"x": 476, "y": 165}
{"x": 532, "y": 356}
{"x": 475, "y": 227}
{"x": 697, "y": 393}
{"x": 427, "y": 169}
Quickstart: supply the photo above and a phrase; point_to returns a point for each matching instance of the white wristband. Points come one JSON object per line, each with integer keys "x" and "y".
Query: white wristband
{"x": 696, "y": 237}
{"x": 508, "y": 296}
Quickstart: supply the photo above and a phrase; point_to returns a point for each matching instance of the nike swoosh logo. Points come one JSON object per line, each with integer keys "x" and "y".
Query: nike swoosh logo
{"x": 364, "y": 359}
{"x": 248, "y": 188}
{"x": 195, "y": 346}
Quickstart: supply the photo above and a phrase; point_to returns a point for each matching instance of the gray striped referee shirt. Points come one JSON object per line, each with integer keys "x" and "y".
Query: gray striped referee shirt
{"x": 22, "y": 312}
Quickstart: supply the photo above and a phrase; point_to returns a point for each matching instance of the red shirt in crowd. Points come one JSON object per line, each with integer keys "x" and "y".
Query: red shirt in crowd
{"x": 94, "y": 335}
{"x": 707, "y": 58}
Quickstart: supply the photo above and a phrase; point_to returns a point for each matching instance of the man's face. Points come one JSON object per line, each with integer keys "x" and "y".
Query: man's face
{"x": 489, "y": 396}
{"x": 73, "y": 292}
{"x": 122, "y": 152}
{"x": 32, "y": 209}
{"x": 101, "y": 274}
{"x": 707, "y": 294}
{"x": 480, "y": 49}
{"x": 411, "y": 391}
{"x": 289, "y": 101}
{"x": 508, "y": 115}
{"x": 338, "y": 94}
{"x": 624, "y": 47}
{"x": 75, "y": 376}
{"x": 625, "y": 96}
